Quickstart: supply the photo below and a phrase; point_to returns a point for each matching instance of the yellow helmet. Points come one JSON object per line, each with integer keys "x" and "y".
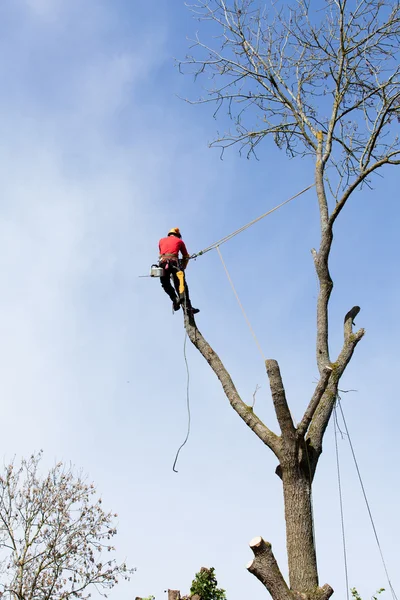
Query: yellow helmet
{"x": 175, "y": 231}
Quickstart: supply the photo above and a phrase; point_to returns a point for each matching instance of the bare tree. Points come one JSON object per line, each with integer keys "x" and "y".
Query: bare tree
{"x": 53, "y": 535}
{"x": 324, "y": 83}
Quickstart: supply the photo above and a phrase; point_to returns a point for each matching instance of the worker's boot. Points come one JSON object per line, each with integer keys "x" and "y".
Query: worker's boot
{"x": 176, "y": 304}
{"x": 191, "y": 311}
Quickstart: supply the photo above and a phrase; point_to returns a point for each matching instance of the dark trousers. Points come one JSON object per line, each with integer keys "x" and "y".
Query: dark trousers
{"x": 171, "y": 270}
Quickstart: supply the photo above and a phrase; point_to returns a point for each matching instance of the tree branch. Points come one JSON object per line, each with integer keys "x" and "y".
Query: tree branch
{"x": 282, "y": 64}
{"x": 312, "y": 407}
{"x": 350, "y": 189}
{"x": 321, "y": 259}
{"x": 265, "y": 568}
{"x": 244, "y": 411}
{"x": 279, "y": 399}
{"x": 324, "y": 409}
{"x": 324, "y": 593}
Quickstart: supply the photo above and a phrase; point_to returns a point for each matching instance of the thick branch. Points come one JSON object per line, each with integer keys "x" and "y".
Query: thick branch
{"x": 279, "y": 399}
{"x": 312, "y": 407}
{"x": 265, "y": 568}
{"x": 324, "y": 409}
{"x": 244, "y": 411}
{"x": 325, "y": 592}
{"x": 325, "y": 289}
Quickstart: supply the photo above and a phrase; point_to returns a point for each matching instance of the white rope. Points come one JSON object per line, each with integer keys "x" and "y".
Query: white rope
{"x": 241, "y": 305}
{"x": 231, "y": 235}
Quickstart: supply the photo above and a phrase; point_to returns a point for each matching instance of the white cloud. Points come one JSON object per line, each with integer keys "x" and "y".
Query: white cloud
{"x": 81, "y": 214}
{"x": 47, "y": 10}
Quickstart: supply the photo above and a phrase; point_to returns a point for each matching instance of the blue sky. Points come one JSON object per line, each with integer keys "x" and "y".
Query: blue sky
{"x": 99, "y": 158}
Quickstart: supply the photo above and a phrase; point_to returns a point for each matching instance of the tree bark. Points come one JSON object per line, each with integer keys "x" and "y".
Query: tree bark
{"x": 245, "y": 412}
{"x": 302, "y": 559}
{"x": 314, "y": 402}
{"x": 174, "y": 595}
{"x": 265, "y": 568}
{"x": 297, "y": 449}
{"x": 324, "y": 409}
{"x": 296, "y": 471}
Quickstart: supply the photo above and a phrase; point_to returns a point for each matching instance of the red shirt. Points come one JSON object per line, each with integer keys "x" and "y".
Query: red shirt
{"x": 173, "y": 245}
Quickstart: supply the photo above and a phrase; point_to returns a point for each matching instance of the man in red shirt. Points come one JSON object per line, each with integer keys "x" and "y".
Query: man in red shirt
{"x": 170, "y": 247}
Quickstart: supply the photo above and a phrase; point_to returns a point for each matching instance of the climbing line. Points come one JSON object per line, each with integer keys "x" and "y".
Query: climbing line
{"x": 187, "y": 404}
{"x": 240, "y": 304}
{"x": 234, "y": 233}
{"x": 336, "y": 427}
{"x": 366, "y": 500}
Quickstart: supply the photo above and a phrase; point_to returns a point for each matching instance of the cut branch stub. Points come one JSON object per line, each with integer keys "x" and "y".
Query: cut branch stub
{"x": 324, "y": 409}
{"x": 174, "y": 595}
{"x": 279, "y": 399}
{"x": 325, "y": 592}
{"x": 265, "y": 568}
{"x": 349, "y": 321}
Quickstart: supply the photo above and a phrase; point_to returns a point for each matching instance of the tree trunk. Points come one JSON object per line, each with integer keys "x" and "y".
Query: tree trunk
{"x": 303, "y": 574}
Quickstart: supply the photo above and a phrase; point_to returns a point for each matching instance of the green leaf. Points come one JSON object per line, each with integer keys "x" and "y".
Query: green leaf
{"x": 205, "y": 585}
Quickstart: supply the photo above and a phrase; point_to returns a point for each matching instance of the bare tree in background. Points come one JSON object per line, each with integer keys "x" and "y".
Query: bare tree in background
{"x": 323, "y": 81}
{"x": 54, "y": 534}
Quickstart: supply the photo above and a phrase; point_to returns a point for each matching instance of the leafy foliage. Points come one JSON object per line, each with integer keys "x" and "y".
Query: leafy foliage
{"x": 205, "y": 585}
{"x": 53, "y": 535}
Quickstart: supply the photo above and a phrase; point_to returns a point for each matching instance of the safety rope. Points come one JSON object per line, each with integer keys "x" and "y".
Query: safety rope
{"x": 234, "y": 233}
{"x": 216, "y": 246}
{"x": 336, "y": 427}
{"x": 187, "y": 404}
{"x": 240, "y": 304}
{"x": 366, "y": 500}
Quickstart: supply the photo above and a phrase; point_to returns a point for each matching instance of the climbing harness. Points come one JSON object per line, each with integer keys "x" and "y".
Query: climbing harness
{"x": 153, "y": 272}
{"x": 339, "y": 404}
{"x": 158, "y": 271}
{"x": 155, "y": 269}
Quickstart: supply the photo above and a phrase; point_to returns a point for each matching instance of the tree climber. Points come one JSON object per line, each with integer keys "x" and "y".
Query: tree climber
{"x": 174, "y": 267}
